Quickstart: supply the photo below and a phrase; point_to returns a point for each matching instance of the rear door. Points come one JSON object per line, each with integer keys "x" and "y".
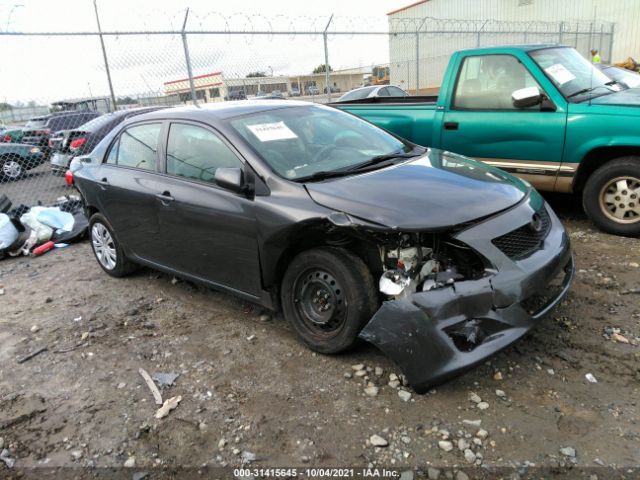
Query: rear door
{"x": 480, "y": 120}
{"x": 128, "y": 183}
{"x": 206, "y": 231}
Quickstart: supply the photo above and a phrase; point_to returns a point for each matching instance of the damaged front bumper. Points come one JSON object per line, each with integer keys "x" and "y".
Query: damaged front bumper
{"x": 438, "y": 334}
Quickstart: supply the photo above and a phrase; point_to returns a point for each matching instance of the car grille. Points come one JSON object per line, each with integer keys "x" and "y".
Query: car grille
{"x": 522, "y": 242}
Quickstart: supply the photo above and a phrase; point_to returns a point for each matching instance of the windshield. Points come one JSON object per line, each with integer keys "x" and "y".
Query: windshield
{"x": 36, "y": 123}
{"x": 357, "y": 94}
{"x": 629, "y": 78}
{"x": 299, "y": 142}
{"x": 576, "y": 78}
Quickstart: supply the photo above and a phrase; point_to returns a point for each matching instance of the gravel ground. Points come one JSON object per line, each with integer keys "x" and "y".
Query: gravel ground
{"x": 252, "y": 395}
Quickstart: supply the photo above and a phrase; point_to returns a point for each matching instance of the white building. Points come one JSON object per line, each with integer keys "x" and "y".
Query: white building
{"x": 612, "y": 27}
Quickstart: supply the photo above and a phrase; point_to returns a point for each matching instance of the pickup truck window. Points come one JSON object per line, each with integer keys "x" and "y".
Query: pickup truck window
{"x": 575, "y": 77}
{"x": 486, "y": 82}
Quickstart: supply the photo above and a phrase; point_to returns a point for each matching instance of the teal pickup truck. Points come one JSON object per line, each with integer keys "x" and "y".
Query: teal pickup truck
{"x": 541, "y": 112}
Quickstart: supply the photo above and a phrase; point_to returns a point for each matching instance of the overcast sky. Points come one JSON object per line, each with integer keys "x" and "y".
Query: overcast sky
{"x": 52, "y": 68}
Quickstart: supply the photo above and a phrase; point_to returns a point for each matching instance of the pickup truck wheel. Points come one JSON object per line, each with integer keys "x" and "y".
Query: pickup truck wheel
{"x": 11, "y": 168}
{"x": 611, "y": 197}
{"x": 328, "y": 295}
{"x": 106, "y": 248}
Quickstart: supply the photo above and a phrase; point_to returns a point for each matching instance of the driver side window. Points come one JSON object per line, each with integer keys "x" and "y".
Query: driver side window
{"x": 486, "y": 82}
{"x": 196, "y": 153}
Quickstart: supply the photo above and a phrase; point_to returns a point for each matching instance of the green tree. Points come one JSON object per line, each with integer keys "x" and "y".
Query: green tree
{"x": 256, "y": 74}
{"x": 5, "y": 106}
{"x": 125, "y": 101}
{"x": 322, "y": 68}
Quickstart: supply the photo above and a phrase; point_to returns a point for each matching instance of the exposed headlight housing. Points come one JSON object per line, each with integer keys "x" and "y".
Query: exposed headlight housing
{"x": 35, "y": 150}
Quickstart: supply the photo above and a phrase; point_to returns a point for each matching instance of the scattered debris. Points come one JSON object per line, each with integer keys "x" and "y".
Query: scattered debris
{"x": 221, "y": 443}
{"x": 4, "y": 456}
{"x": 371, "y": 391}
{"x": 168, "y": 405}
{"x": 130, "y": 462}
{"x": 474, "y": 397}
{"x": 76, "y": 454}
{"x": 590, "y": 378}
{"x": 445, "y": 445}
{"x": 404, "y": 395}
{"x": 152, "y": 386}
{"x": 568, "y": 452}
{"x": 497, "y": 376}
{"x": 482, "y": 434}
{"x": 433, "y": 473}
{"x": 378, "y": 441}
{"x": 357, "y": 367}
{"x": 616, "y": 337}
{"x": 501, "y": 394}
{"x": 472, "y": 423}
{"x": 251, "y": 338}
{"x": 35, "y": 328}
{"x": 469, "y": 456}
{"x": 248, "y": 457}
{"x": 483, "y": 405}
{"x": 165, "y": 379}
{"x": 29, "y": 356}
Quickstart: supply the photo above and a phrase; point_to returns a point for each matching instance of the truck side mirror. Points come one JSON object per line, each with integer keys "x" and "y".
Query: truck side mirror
{"x": 526, "y": 97}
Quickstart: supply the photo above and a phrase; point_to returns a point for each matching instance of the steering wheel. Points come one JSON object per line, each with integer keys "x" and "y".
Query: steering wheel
{"x": 323, "y": 151}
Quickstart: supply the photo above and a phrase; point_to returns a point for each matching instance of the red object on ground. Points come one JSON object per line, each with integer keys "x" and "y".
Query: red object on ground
{"x": 44, "y": 248}
{"x": 68, "y": 177}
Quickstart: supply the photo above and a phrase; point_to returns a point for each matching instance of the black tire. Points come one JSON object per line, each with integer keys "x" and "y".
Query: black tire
{"x": 11, "y": 168}
{"x": 106, "y": 248}
{"x": 612, "y": 193}
{"x": 328, "y": 295}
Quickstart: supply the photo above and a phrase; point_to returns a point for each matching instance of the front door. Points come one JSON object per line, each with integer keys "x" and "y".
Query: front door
{"x": 481, "y": 121}
{"x": 207, "y": 231}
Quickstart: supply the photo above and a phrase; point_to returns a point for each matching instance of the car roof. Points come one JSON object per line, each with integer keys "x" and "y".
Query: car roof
{"x": 220, "y": 110}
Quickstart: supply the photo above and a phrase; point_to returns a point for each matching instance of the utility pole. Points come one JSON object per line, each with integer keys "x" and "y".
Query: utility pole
{"x": 187, "y": 59}
{"x": 326, "y": 59}
{"x": 104, "y": 55}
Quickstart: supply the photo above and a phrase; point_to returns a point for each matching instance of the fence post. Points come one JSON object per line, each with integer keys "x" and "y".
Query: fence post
{"x": 613, "y": 26}
{"x": 561, "y": 33}
{"x": 104, "y": 56}
{"x": 187, "y": 59}
{"x": 478, "y": 34}
{"x": 326, "y": 59}
{"x": 418, "y": 56}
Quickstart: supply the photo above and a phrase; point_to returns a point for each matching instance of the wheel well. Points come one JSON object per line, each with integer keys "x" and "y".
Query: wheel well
{"x": 89, "y": 210}
{"x": 323, "y": 236}
{"x": 596, "y": 158}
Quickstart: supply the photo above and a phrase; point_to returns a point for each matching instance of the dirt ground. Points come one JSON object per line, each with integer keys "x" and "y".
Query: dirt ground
{"x": 253, "y": 396}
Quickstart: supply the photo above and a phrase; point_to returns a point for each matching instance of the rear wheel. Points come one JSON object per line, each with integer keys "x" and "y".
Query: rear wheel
{"x": 328, "y": 295}
{"x": 106, "y": 248}
{"x": 611, "y": 197}
{"x": 11, "y": 168}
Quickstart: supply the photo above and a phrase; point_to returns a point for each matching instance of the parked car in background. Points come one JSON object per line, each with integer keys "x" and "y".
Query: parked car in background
{"x": 373, "y": 92}
{"x": 542, "y": 112}
{"x": 11, "y": 134}
{"x": 437, "y": 259}
{"x": 38, "y": 130}
{"x": 261, "y": 93}
{"x": 311, "y": 90}
{"x": 16, "y": 158}
{"x": 334, "y": 89}
{"x": 628, "y": 78}
{"x": 236, "y": 95}
{"x": 276, "y": 94}
{"x": 294, "y": 92}
{"x": 66, "y": 144}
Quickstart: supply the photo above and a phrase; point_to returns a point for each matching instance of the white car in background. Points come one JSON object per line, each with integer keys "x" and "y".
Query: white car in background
{"x": 373, "y": 91}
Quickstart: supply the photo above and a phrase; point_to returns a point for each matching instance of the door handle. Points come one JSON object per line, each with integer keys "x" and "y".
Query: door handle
{"x": 103, "y": 182}
{"x": 165, "y": 197}
{"x": 450, "y": 125}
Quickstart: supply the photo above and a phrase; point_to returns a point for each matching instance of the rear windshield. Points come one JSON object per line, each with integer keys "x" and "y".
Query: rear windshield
{"x": 357, "y": 94}
{"x": 101, "y": 121}
{"x": 67, "y": 122}
{"x": 36, "y": 123}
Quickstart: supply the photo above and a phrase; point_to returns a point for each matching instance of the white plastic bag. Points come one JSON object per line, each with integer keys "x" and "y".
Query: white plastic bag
{"x": 55, "y": 218}
{"x": 8, "y": 232}
{"x": 30, "y": 219}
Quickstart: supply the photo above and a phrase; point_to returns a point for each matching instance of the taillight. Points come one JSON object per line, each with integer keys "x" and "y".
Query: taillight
{"x": 68, "y": 177}
{"x": 50, "y": 143}
{"x": 77, "y": 143}
{"x": 7, "y": 139}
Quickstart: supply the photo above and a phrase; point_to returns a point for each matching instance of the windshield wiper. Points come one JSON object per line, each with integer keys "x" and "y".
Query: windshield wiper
{"x": 383, "y": 158}
{"x": 322, "y": 174}
{"x": 586, "y": 90}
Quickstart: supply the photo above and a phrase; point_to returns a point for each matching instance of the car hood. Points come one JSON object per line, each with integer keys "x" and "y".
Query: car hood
{"x": 629, "y": 97}
{"x": 431, "y": 192}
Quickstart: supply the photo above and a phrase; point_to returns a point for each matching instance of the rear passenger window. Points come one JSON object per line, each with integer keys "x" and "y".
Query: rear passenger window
{"x": 138, "y": 147}
{"x": 196, "y": 153}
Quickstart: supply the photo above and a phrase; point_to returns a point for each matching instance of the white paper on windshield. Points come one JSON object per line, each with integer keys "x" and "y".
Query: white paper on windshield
{"x": 560, "y": 74}
{"x": 268, "y": 132}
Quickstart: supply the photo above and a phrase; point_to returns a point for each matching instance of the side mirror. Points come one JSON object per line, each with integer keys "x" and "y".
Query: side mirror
{"x": 230, "y": 178}
{"x": 526, "y": 97}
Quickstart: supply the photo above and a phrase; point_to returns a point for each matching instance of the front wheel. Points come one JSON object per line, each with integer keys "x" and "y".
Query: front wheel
{"x": 328, "y": 295}
{"x": 611, "y": 197}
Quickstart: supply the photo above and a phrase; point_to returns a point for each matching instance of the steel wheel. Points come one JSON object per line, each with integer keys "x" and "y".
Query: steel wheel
{"x": 620, "y": 199}
{"x": 103, "y": 246}
{"x": 319, "y": 301}
{"x": 11, "y": 169}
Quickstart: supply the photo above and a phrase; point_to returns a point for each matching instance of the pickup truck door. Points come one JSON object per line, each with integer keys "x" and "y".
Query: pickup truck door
{"x": 480, "y": 120}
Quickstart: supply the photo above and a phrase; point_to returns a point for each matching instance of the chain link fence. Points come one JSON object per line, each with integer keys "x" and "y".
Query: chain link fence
{"x": 60, "y": 80}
